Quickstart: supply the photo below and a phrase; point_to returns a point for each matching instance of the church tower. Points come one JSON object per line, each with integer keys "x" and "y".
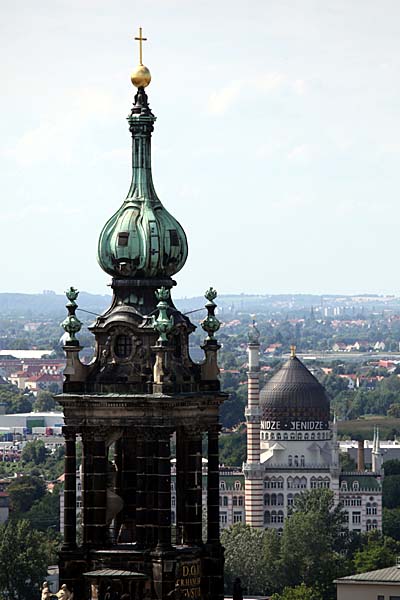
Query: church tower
{"x": 140, "y": 397}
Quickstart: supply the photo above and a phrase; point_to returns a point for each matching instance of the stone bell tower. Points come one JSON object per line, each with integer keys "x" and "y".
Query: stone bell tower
{"x": 139, "y": 398}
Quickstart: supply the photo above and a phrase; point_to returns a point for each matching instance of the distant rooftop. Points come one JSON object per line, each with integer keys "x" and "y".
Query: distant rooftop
{"x": 25, "y": 353}
{"x": 388, "y": 575}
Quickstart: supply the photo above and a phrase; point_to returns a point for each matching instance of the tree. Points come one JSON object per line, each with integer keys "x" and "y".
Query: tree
{"x": 24, "y": 492}
{"x": 244, "y": 558}
{"x": 391, "y": 491}
{"x": 392, "y": 467}
{"x": 45, "y": 513}
{"x": 34, "y": 452}
{"x": 44, "y": 402}
{"x": 376, "y": 552}
{"x": 309, "y": 557}
{"x": 24, "y": 557}
{"x": 300, "y": 592}
{"x": 391, "y": 523}
{"x": 347, "y": 463}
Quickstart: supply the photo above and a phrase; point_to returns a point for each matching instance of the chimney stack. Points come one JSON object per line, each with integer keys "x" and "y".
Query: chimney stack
{"x": 360, "y": 457}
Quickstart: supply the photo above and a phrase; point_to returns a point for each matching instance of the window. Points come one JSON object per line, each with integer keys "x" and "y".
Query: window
{"x": 369, "y": 509}
{"x": 222, "y": 485}
{"x": 237, "y": 517}
{"x": 290, "y": 460}
{"x": 273, "y": 499}
{"x": 234, "y": 500}
{"x": 302, "y": 461}
{"x": 223, "y": 518}
{"x": 290, "y": 500}
{"x": 123, "y": 238}
{"x": 225, "y": 500}
{"x": 296, "y": 461}
{"x": 280, "y": 499}
{"x": 266, "y": 483}
{"x": 240, "y": 500}
{"x": 374, "y": 508}
{"x": 173, "y": 501}
{"x": 285, "y": 436}
{"x": 267, "y": 517}
{"x": 237, "y": 485}
{"x": 173, "y": 237}
{"x": 292, "y": 436}
{"x": 274, "y": 517}
{"x": 123, "y": 346}
{"x": 356, "y": 518}
{"x": 280, "y": 516}
{"x": 267, "y": 500}
{"x": 279, "y": 483}
{"x": 356, "y": 485}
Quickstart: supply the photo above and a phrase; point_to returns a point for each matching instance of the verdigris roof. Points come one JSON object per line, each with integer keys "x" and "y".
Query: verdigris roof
{"x": 388, "y": 575}
{"x": 365, "y": 482}
{"x": 294, "y": 393}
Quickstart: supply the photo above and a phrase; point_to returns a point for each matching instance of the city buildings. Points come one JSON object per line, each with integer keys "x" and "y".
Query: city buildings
{"x": 383, "y": 584}
{"x": 292, "y": 446}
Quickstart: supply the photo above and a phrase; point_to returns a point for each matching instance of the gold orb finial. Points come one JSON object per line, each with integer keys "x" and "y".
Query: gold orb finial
{"x": 141, "y": 76}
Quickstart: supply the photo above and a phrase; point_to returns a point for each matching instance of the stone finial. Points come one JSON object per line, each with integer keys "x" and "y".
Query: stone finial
{"x": 210, "y": 324}
{"x": 71, "y": 323}
{"x": 253, "y": 334}
{"x": 163, "y": 324}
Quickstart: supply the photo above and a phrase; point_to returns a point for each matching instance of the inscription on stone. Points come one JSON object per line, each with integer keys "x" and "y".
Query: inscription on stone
{"x": 189, "y": 579}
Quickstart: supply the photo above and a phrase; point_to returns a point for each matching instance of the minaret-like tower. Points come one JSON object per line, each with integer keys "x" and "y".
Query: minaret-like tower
{"x": 252, "y": 468}
{"x": 141, "y": 390}
{"x": 377, "y": 456}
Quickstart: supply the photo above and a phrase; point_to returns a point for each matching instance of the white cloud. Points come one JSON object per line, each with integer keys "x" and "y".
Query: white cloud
{"x": 57, "y": 136}
{"x": 302, "y": 153}
{"x": 220, "y": 101}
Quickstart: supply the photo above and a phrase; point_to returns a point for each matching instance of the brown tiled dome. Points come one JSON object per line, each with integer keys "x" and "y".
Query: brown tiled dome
{"x": 294, "y": 393}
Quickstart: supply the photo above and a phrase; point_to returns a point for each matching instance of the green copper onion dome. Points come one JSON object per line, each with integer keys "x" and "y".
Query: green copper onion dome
{"x": 142, "y": 239}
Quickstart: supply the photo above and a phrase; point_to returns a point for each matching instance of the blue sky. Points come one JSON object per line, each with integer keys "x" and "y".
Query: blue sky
{"x": 276, "y": 146}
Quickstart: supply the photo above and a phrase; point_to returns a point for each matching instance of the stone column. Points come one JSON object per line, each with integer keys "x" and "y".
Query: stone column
{"x": 193, "y": 505}
{"x": 94, "y": 487}
{"x": 213, "y": 487}
{"x": 180, "y": 483}
{"x": 164, "y": 490}
{"x": 69, "y": 489}
{"x": 141, "y": 506}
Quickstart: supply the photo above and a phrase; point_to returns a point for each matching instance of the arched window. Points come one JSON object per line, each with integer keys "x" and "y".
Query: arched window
{"x": 280, "y": 483}
{"x": 369, "y": 509}
{"x": 266, "y": 483}
{"x": 173, "y": 500}
{"x": 356, "y": 486}
{"x": 237, "y": 485}
{"x": 267, "y": 517}
{"x": 296, "y": 460}
{"x": 278, "y": 436}
{"x": 234, "y": 500}
{"x": 292, "y": 435}
{"x": 290, "y": 500}
{"x": 222, "y": 485}
{"x": 225, "y": 500}
{"x": 267, "y": 499}
{"x": 290, "y": 482}
{"x": 327, "y": 482}
{"x": 312, "y": 436}
{"x": 279, "y": 499}
{"x": 272, "y": 435}
{"x": 303, "y": 482}
{"x": 285, "y": 436}
{"x": 123, "y": 346}
{"x": 369, "y": 525}
{"x": 318, "y": 435}
{"x": 299, "y": 436}
{"x": 290, "y": 460}
{"x": 273, "y": 499}
{"x": 374, "y": 508}
{"x": 306, "y": 436}
{"x": 280, "y": 516}
{"x": 313, "y": 483}
{"x": 240, "y": 500}
{"x": 302, "y": 460}
{"x": 274, "y": 516}
{"x": 374, "y": 524}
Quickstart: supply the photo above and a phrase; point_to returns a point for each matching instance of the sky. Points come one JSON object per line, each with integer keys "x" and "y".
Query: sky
{"x": 276, "y": 146}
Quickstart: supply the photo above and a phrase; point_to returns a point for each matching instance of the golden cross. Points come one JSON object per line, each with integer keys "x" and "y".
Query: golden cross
{"x": 140, "y": 39}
